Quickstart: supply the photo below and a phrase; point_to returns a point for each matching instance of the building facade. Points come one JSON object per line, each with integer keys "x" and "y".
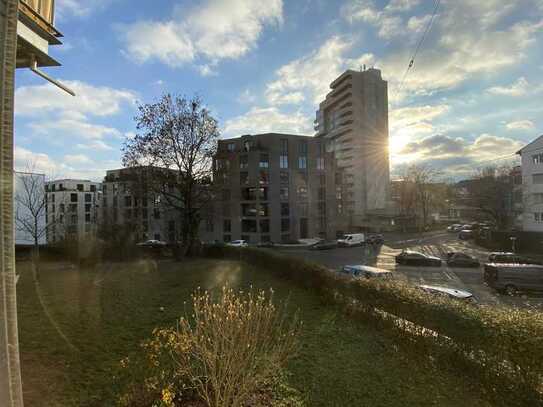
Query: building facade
{"x": 532, "y": 185}
{"x": 270, "y": 187}
{"x": 130, "y": 206}
{"x": 73, "y": 209}
{"x": 352, "y": 123}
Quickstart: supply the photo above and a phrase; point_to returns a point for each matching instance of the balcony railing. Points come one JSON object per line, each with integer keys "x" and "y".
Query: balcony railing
{"x": 44, "y": 8}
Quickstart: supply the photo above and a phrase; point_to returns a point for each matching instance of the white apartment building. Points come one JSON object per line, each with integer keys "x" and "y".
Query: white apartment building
{"x": 532, "y": 183}
{"x": 73, "y": 209}
{"x": 353, "y": 122}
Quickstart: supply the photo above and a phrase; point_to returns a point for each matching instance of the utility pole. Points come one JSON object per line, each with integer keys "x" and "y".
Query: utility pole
{"x": 11, "y": 394}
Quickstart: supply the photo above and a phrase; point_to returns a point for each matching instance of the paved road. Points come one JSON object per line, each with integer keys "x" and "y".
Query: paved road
{"x": 436, "y": 244}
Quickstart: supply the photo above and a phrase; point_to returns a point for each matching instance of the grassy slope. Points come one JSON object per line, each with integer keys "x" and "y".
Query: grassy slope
{"x": 106, "y": 312}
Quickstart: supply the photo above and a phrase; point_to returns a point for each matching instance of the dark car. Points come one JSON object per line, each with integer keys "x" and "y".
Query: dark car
{"x": 324, "y": 245}
{"x": 375, "y": 239}
{"x": 265, "y": 245}
{"x": 457, "y": 259}
{"x": 466, "y": 234}
{"x": 511, "y": 258}
{"x": 512, "y": 278}
{"x": 410, "y": 258}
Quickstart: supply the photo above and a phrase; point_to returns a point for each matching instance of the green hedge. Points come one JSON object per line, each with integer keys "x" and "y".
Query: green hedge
{"x": 503, "y": 347}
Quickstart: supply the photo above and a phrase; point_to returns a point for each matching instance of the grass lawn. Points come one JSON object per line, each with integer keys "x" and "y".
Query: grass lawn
{"x": 75, "y": 326}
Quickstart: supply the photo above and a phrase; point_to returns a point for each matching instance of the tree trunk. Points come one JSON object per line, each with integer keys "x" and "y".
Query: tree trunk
{"x": 11, "y": 394}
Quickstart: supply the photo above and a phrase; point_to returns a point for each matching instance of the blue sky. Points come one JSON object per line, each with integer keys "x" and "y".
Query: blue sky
{"x": 475, "y": 92}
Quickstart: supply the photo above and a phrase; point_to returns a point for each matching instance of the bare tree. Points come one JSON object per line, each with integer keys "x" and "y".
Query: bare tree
{"x": 31, "y": 207}
{"x": 491, "y": 190}
{"x": 176, "y": 142}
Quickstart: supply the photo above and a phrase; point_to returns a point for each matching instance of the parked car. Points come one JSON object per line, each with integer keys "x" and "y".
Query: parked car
{"x": 324, "y": 245}
{"x": 449, "y": 292}
{"x": 511, "y": 258}
{"x": 152, "y": 243}
{"x": 351, "y": 240}
{"x": 454, "y": 228}
{"x": 457, "y": 259}
{"x": 410, "y": 258}
{"x": 375, "y": 239}
{"x": 511, "y": 278}
{"x": 363, "y": 271}
{"x": 466, "y": 234}
{"x": 237, "y": 243}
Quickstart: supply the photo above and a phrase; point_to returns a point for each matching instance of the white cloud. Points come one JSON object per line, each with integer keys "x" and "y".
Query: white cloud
{"x": 389, "y": 25}
{"x": 417, "y": 115}
{"x": 313, "y": 73}
{"x": 519, "y": 88}
{"x": 468, "y": 39}
{"x": 246, "y": 97}
{"x": 78, "y": 8}
{"x": 40, "y": 162}
{"x": 75, "y": 128}
{"x": 520, "y": 125}
{"x": 95, "y": 145}
{"x": 214, "y": 30}
{"x": 418, "y": 24}
{"x": 401, "y": 5}
{"x": 76, "y": 159}
{"x": 39, "y": 100}
{"x": 268, "y": 120}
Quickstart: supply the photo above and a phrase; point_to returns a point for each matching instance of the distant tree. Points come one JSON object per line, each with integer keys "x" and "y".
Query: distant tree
{"x": 176, "y": 140}
{"x": 31, "y": 206}
{"x": 490, "y": 190}
{"x": 418, "y": 192}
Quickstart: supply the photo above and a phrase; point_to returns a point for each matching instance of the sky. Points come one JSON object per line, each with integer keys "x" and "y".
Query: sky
{"x": 473, "y": 97}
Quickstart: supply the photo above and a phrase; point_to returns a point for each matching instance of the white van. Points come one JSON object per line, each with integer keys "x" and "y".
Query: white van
{"x": 355, "y": 239}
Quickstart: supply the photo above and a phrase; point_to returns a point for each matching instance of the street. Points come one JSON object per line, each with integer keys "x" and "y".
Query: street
{"x": 435, "y": 244}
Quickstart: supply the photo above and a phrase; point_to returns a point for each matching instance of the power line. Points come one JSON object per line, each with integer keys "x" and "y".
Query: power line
{"x": 419, "y": 44}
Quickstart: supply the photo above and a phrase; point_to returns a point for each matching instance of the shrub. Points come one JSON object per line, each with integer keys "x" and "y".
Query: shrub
{"x": 502, "y": 346}
{"x": 225, "y": 354}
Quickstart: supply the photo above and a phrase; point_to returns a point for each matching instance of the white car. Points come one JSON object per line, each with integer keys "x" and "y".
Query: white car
{"x": 237, "y": 243}
{"x": 362, "y": 271}
{"x": 448, "y": 292}
{"x": 351, "y": 240}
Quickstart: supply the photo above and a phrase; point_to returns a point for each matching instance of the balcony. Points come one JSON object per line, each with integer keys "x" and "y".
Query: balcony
{"x": 35, "y": 32}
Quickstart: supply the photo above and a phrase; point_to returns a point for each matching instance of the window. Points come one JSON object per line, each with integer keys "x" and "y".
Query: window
{"x": 53, "y": 188}
{"x": 87, "y": 207}
{"x": 285, "y": 224}
{"x": 302, "y": 193}
{"x": 73, "y": 208}
{"x": 537, "y": 198}
{"x": 88, "y": 197}
{"x": 263, "y": 178}
{"x": 264, "y": 161}
{"x": 303, "y": 148}
{"x": 264, "y": 226}
{"x": 231, "y": 147}
{"x": 87, "y": 217}
{"x": 538, "y": 217}
{"x": 73, "y": 219}
{"x": 263, "y": 211}
{"x": 61, "y": 208}
{"x": 73, "y": 197}
{"x": 302, "y": 162}
{"x": 285, "y": 210}
{"x": 243, "y": 178}
{"x": 284, "y": 146}
{"x": 537, "y": 158}
{"x": 263, "y": 194}
{"x": 283, "y": 194}
{"x": 156, "y": 200}
{"x": 227, "y": 225}
{"x": 93, "y": 188}
{"x": 247, "y": 145}
{"x": 127, "y": 201}
{"x": 80, "y": 187}
{"x": 537, "y": 178}
{"x": 248, "y": 226}
{"x": 53, "y": 208}
{"x": 225, "y": 194}
{"x": 320, "y": 163}
{"x": 248, "y": 209}
{"x": 283, "y": 177}
{"x": 53, "y": 198}
{"x": 248, "y": 194}
{"x": 283, "y": 161}
{"x": 223, "y": 165}
{"x": 104, "y": 188}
